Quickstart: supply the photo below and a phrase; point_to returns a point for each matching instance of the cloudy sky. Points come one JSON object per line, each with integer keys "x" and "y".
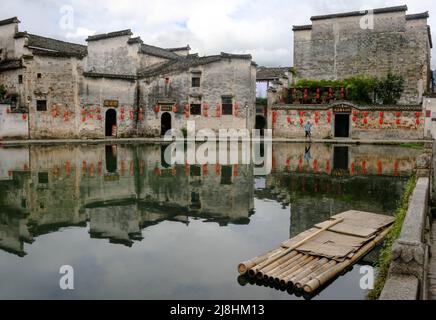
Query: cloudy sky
{"x": 259, "y": 27}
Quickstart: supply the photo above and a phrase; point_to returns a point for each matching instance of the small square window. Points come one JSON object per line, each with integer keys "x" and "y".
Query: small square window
{"x": 195, "y": 109}
{"x": 227, "y": 105}
{"x": 39, "y": 75}
{"x": 43, "y": 177}
{"x": 20, "y": 78}
{"x": 195, "y": 171}
{"x": 226, "y": 174}
{"x": 41, "y": 105}
{"x": 196, "y": 82}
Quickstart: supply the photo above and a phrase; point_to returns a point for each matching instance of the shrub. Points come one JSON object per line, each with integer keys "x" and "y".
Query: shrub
{"x": 360, "y": 89}
{"x": 390, "y": 88}
{"x": 2, "y": 92}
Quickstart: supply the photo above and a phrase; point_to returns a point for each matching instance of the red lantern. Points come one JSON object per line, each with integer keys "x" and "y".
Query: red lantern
{"x": 354, "y": 119}
{"x": 218, "y": 169}
{"x": 157, "y": 108}
{"x": 122, "y": 109}
{"x": 301, "y": 114}
{"x": 398, "y": 122}
{"x": 8, "y": 110}
{"x": 381, "y": 121}
{"x": 175, "y": 108}
{"x": 140, "y": 115}
{"x": 66, "y": 115}
{"x": 187, "y": 113}
{"x": 131, "y": 113}
{"x": 24, "y": 116}
{"x": 398, "y": 114}
{"x": 205, "y": 110}
{"x": 365, "y": 120}
{"x": 274, "y": 117}
{"x": 122, "y": 116}
{"x": 235, "y": 110}
{"x": 289, "y": 120}
{"x": 218, "y": 110}
{"x": 365, "y": 114}
{"x": 382, "y": 114}
{"x": 301, "y": 121}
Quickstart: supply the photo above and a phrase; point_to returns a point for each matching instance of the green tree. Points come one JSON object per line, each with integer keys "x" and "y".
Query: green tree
{"x": 2, "y": 92}
{"x": 390, "y": 88}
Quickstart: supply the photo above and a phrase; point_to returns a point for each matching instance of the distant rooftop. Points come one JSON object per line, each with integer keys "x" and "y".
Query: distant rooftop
{"x": 114, "y": 34}
{"x": 266, "y": 73}
{"x": 50, "y": 46}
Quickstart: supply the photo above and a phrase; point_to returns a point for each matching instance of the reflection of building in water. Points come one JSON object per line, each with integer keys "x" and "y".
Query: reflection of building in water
{"x": 118, "y": 190}
{"x": 337, "y": 179}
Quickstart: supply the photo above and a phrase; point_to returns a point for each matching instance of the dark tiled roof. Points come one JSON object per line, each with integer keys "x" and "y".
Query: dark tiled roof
{"x": 185, "y": 63}
{"x": 359, "y": 13}
{"x": 10, "y": 64}
{"x": 180, "y": 64}
{"x": 264, "y": 73}
{"x": 102, "y": 36}
{"x": 135, "y": 40}
{"x": 158, "y": 52}
{"x": 179, "y": 49}
{"x": 301, "y": 28}
{"x": 9, "y": 21}
{"x": 47, "y": 46}
{"x": 109, "y": 76}
{"x": 417, "y": 16}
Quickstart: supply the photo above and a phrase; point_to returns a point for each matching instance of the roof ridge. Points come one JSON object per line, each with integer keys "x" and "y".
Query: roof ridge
{"x": 360, "y": 13}
{"x": 101, "y": 36}
{"x": 9, "y": 21}
{"x": 53, "y": 39}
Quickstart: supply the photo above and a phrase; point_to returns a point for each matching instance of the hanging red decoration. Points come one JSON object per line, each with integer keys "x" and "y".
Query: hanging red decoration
{"x": 131, "y": 113}
{"x": 289, "y": 120}
{"x": 235, "y": 109}
{"x": 156, "y": 108}
{"x": 204, "y": 170}
{"x": 365, "y": 120}
{"x": 398, "y": 114}
{"x": 315, "y": 165}
{"x": 398, "y": 122}
{"x": 122, "y": 116}
{"x": 187, "y": 113}
{"x": 8, "y": 110}
{"x": 66, "y": 115}
{"x": 218, "y": 169}
{"x": 24, "y": 116}
{"x": 274, "y": 117}
{"x": 218, "y": 110}
{"x": 99, "y": 117}
{"x": 318, "y": 94}
{"x": 205, "y": 110}
{"x": 122, "y": 109}
{"x": 364, "y": 167}
{"x": 301, "y": 114}
{"x": 301, "y": 121}
{"x": 418, "y": 115}
{"x": 175, "y": 108}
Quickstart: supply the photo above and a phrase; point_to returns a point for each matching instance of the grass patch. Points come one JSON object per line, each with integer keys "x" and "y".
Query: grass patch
{"x": 385, "y": 258}
{"x": 416, "y": 146}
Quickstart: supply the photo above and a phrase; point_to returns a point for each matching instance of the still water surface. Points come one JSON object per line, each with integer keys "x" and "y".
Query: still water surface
{"x": 133, "y": 227}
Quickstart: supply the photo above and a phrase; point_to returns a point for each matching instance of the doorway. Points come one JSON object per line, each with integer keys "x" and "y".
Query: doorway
{"x": 165, "y": 123}
{"x": 260, "y": 124}
{"x": 342, "y": 125}
{"x": 111, "y": 121}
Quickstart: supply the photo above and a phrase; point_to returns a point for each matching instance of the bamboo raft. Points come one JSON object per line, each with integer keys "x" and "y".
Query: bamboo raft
{"x": 317, "y": 256}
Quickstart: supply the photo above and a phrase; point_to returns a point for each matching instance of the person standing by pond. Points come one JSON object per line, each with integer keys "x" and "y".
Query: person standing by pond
{"x": 308, "y": 130}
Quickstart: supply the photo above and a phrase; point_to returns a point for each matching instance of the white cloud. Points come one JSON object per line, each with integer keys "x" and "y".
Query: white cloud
{"x": 262, "y": 28}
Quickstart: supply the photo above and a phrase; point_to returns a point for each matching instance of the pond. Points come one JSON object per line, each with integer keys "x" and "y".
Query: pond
{"x": 133, "y": 227}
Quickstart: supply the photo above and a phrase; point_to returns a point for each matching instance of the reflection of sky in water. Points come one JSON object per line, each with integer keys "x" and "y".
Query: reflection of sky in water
{"x": 175, "y": 260}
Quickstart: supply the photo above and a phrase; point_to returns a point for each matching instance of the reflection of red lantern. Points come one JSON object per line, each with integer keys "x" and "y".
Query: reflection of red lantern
{"x": 274, "y": 117}
{"x": 66, "y": 115}
{"x": 218, "y": 169}
{"x": 301, "y": 121}
{"x": 418, "y": 115}
{"x": 140, "y": 115}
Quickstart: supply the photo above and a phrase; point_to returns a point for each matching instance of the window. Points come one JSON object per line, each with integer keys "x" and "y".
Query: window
{"x": 41, "y": 105}
{"x": 39, "y": 75}
{"x": 195, "y": 109}
{"x": 226, "y": 174}
{"x": 227, "y": 105}
{"x": 43, "y": 177}
{"x": 196, "y": 82}
{"x": 20, "y": 78}
{"x": 195, "y": 171}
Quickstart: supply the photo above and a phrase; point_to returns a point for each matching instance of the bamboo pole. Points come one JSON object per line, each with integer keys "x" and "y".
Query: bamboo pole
{"x": 286, "y": 265}
{"x": 323, "y": 278}
{"x": 300, "y": 284}
{"x": 243, "y": 267}
{"x": 276, "y": 264}
{"x": 291, "y": 272}
{"x": 322, "y": 262}
{"x": 278, "y": 274}
{"x": 283, "y": 265}
{"x": 298, "y": 244}
{"x": 302, "y": 263}
{"x": 302, "y": 270}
